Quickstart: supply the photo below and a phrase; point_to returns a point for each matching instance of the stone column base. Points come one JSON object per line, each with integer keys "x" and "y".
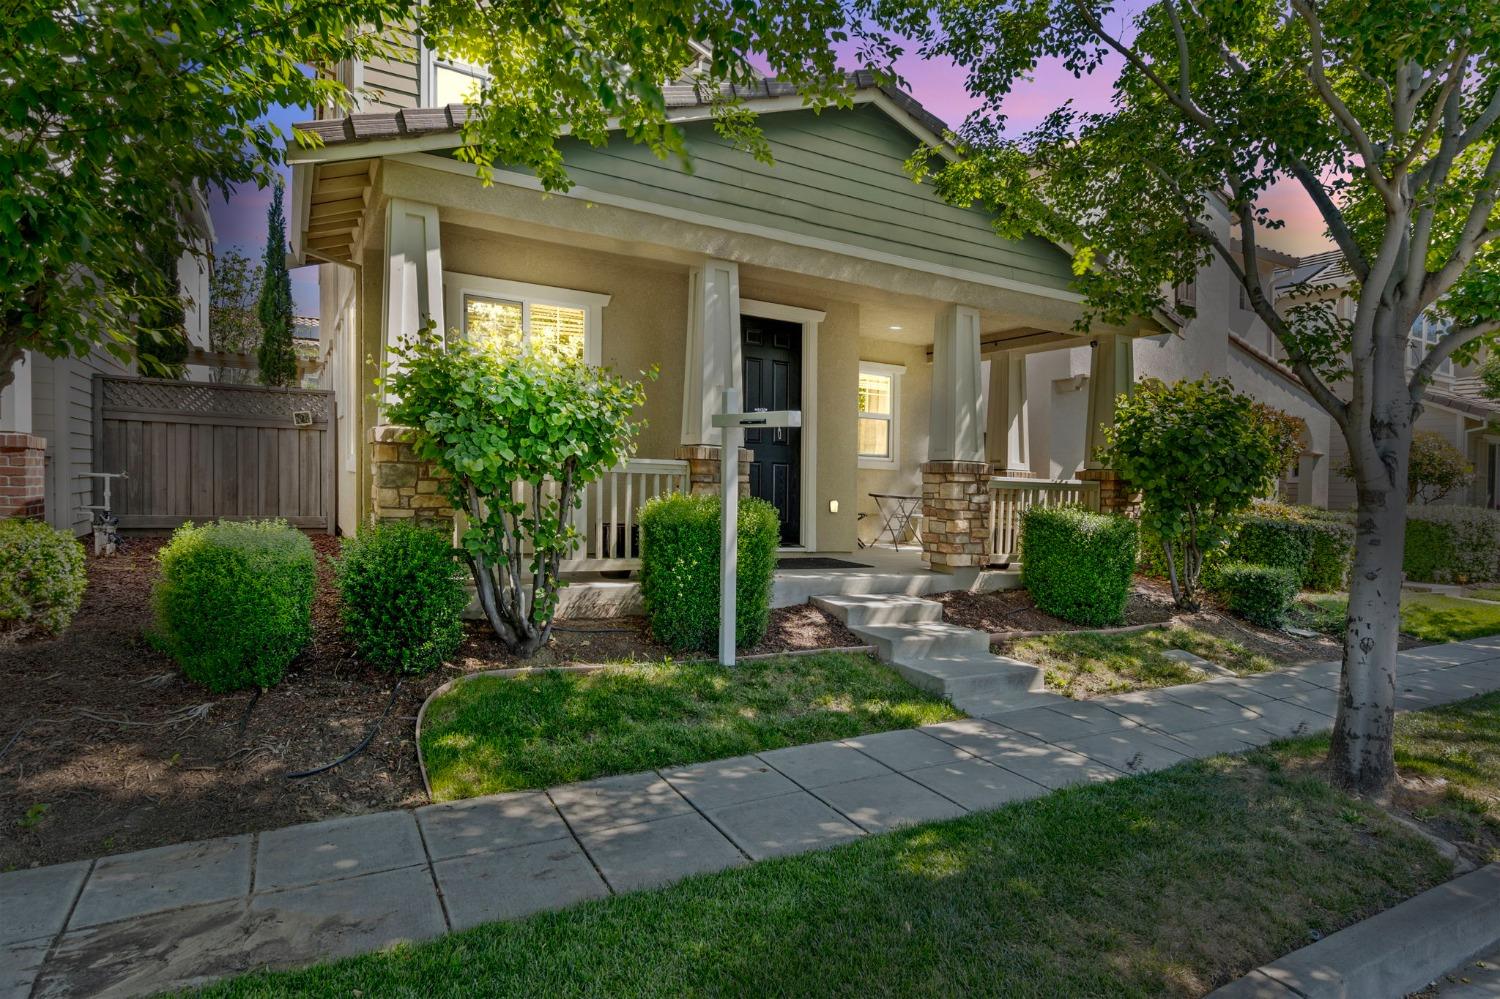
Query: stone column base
{"x": 1115, "y": 494}
{"x": 704, "y": 465}
{"x": 23, "y": 475}
{"x": 404, "y": 487}
{"x": 955, "y": 514}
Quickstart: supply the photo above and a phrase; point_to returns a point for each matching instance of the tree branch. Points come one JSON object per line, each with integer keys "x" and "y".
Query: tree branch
{"x": 1185, "y": 105}
{"x": 1475, "y": 234}
{"x": 1442, "y": 350}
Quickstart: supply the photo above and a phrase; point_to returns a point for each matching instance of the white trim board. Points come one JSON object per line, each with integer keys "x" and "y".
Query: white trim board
{"x": 809, "y": 320}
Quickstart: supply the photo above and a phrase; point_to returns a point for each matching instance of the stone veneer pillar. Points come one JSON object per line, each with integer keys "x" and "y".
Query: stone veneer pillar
{"x": 703, "y": 468}
{"x": 405, "y": 487}
{"x": 955, "y": 514}
{"x": 23, "y": 480}
{"x": 1115, "y": 494}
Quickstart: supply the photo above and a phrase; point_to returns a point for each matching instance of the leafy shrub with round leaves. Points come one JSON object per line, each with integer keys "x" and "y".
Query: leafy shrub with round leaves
{"x": 403, "y": 597}
{"x": 42, "y": 577}
{"x": 1261, "y": 594}
{"x": 234, "y": 601}
{"x": 1077, "y": 565}
{"x": 1451, "y": 544}
{"x": 680, "y": 570}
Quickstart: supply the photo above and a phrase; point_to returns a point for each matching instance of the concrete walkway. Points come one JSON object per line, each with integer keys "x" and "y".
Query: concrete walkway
{"x": 182, "y": 915}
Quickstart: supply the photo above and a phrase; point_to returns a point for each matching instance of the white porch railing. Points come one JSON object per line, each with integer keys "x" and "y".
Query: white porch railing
{"x": 607, "y": 519}
{"x": 1011, "y": 497}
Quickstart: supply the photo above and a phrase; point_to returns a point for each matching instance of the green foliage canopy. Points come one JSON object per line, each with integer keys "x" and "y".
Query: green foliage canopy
{"x": 1199, "y": 453}
{"x": 517, "y": 437}
{"x": 114, "y": 115}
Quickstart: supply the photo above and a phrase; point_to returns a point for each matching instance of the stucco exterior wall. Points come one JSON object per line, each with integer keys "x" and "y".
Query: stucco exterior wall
{"x": 644, "y": 324}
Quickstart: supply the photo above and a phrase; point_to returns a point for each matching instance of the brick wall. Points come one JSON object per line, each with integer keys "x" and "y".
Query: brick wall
{"x": 23, "y": 480}
{"x": 404, "y": 487}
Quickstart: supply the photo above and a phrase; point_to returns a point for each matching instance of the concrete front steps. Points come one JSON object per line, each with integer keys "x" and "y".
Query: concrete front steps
{"x": 909, "y": 633}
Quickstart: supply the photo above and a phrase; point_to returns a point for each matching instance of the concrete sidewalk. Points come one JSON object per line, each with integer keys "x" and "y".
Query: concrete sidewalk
{"x": 186, "y": 914}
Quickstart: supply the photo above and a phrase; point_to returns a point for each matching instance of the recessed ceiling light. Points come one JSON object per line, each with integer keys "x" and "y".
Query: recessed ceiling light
{"x": 894, "y": 329}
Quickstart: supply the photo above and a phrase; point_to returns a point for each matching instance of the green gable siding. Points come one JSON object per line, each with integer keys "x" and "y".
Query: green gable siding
{"x": 838, "y": 176}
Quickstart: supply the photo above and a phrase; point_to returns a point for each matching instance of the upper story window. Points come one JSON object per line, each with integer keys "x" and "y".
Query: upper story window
{"x": 555, "y": 322}
{"x": 1425, "y": 333}
{"x": 879, "y": 406}
{"x": 454, "y": 81}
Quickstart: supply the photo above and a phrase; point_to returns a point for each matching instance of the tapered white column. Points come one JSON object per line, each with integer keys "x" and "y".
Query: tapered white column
{"x": 1111, "y": 375}
{"x": 957, "y": 431}
{"x": 414, "y": 273}
{"x": 1008, "y": 432}
{"x": 713, "y": 348}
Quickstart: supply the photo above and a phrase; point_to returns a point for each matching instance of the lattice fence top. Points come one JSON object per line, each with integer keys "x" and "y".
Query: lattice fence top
{"x": 213, "y": 398}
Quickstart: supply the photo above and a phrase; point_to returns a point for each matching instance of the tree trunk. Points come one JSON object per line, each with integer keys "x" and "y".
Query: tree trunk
{"x": 1361, "y": 756}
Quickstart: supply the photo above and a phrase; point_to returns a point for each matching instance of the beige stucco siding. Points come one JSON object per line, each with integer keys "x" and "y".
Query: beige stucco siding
{"x": 644, "y": 324}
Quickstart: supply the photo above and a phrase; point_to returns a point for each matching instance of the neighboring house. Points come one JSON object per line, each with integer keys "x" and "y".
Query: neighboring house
{"x": 47, "y": 412}
{"x": 1454, "y": 406}
{"x": 829, "y": 283}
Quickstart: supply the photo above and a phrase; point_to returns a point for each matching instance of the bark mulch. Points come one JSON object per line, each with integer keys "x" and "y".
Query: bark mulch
{"x": 111, "y": 749}
{"x": 1012, "y": 612}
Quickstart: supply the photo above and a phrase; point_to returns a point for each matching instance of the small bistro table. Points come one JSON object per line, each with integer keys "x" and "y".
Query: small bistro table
{"x": 896, "y": 512}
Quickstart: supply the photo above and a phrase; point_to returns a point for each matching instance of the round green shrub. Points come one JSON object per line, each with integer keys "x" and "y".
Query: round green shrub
{"x": 1317, "y": 549}
{"x": 680, "y": 570}
{"x": 234, "y": 601}
{"x": 1078, "y": 565}
{"x": 42, "y": 577}
{"x": 1273, "y": 541}
{"x": 1332, "y": 553}
{"x": 1452, "y": 544}
{"x": 403, "y": 597}
{"x": 1261, "y": 594}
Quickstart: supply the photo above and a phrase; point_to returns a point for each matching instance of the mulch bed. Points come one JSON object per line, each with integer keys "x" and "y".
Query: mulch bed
{"x": 1012, "y": 612}
{"x": 114, "y": 750}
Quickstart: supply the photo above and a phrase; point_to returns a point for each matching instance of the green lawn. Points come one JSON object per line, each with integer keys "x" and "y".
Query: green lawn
{"x": 1449, "y": 761}
{"x": 494, "y": 734}
{"x": 1486, "y": 593}
{"x": 1084, "y": 665}
{"x": 1169, "y": 884}
{"x": 1431, "y": 617}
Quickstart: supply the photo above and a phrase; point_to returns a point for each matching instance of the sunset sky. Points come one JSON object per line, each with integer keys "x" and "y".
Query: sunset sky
{"x": 939, "y": 85}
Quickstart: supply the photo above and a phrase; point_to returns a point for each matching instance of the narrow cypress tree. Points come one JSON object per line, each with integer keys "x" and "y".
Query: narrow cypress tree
{"x": 277, "y": 358}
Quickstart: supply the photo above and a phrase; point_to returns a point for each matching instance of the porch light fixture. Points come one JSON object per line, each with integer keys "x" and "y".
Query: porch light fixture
{"x": 894, "y": 329}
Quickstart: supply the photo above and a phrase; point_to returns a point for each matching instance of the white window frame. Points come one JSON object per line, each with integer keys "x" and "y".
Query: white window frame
{"x": 430, "y": 61}
{"x": 1426, "y": 331}
{"x": 894, "y": 371}
{"x": 458, "y": 287}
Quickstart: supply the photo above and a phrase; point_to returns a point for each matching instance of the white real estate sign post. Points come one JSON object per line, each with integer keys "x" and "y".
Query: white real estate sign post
{"x": 732, "y": 424}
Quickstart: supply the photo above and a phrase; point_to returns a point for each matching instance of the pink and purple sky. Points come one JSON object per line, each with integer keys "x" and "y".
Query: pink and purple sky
{"x": 240, "y": 222}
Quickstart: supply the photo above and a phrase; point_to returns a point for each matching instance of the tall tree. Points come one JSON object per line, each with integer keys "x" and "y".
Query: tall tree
{"x": 1383, "y": 113}
{"x": 277, "y": 357}
{"x": 111, "y": 113}
{"x": 233, "y": 309}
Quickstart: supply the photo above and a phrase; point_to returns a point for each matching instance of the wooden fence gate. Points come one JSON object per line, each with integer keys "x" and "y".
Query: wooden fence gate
{"x": 204, "y": 451}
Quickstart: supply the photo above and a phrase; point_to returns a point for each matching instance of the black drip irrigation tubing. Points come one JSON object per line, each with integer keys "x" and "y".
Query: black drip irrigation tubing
{"x": 363, "y": 743}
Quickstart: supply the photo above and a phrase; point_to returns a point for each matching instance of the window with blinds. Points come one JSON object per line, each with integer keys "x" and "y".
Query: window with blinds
{"x": 556, "y": 331}
{"x": 876, "y": 413}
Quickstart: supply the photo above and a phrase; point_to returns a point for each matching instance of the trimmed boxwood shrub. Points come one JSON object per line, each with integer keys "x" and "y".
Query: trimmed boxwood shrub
{"x": 403, "y": 597}
{"x": 1452, "y": 544}
{"x": 1261, "y": 594}
{"x": 234, "y": 601}
{"x": 680, "y": 570}
{"x": 1317, "y": 551}
{"x": 42, "y": 577}
{"x": 1332, "y": 553}
{"x": 1077, "y": 565}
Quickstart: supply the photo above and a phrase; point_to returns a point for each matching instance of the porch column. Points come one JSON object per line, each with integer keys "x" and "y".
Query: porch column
{"x": 413, "y": 296}
{"x": 713, "y": 363}
{"x": 955, "y": 478}
{"x": 1007, "y": 431}
{"x": 1111, "y": 375}
{"x": 414, "y": 272}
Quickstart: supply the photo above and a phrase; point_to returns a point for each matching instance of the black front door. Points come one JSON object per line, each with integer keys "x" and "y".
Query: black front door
{"x": 773, "y": 380}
